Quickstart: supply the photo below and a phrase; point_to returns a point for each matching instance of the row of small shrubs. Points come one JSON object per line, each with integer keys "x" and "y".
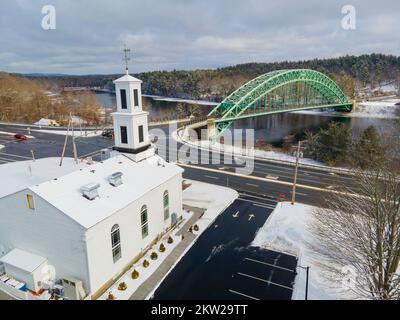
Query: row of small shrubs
{"x": 135, "y": 274}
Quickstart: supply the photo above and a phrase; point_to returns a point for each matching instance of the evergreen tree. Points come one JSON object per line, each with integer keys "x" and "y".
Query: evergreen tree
{"x": 332, "y": 144}
{"x": 369, "y": 151}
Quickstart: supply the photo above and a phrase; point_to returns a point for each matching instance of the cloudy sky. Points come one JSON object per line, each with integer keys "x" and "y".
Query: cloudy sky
{"x": 187, "y": 34}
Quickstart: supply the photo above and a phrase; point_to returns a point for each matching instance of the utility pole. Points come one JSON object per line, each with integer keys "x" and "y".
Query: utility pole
{"x": 73, "y": 141}
{"x": 295, "y": 173}
{"x": 65, "y": 143}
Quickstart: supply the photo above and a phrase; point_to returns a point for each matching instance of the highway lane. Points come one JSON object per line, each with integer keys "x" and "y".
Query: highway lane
{"x": 50, "y": 145}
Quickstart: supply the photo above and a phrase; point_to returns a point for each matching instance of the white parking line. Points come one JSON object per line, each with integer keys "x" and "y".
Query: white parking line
{"x": 259, "y": 204}
{"x": 258, "y": 197}
{"x": 268, "y": 264}
{"x": 212, "y": 177}
{"x": 266, "y": 281}
{"x": 252, "y": 185}
{"x": 242, "y": 294}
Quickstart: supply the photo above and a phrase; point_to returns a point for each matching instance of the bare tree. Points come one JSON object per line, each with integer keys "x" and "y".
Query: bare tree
{"x": 359, "y": 229}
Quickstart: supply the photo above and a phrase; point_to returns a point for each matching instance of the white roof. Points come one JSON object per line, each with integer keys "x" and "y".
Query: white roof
{"x": 138, "y": 179}
{"x": 17, "y": 176}
{"x": 23, "y": 260}
{"x": 127, "y": 78}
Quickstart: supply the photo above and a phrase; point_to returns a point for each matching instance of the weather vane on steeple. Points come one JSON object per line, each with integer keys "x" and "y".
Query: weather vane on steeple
{"x": 126, "y": 58}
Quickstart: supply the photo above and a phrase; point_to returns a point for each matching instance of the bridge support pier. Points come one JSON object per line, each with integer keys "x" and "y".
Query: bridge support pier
{"x": 211, "y": 129}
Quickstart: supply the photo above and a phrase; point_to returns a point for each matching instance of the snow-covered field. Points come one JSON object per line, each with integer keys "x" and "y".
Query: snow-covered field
{"x": 77, "y": 133}
{"x": 288, "y": 230}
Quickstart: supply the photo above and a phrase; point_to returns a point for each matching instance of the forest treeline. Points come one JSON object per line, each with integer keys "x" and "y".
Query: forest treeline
{"x": 350, "y": 72}
{"x": 23, "y": 100}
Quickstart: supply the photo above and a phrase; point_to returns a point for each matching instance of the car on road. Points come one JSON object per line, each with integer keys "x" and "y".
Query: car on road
{"x": 20, "y": 137}
{"x": 108, "y": 133}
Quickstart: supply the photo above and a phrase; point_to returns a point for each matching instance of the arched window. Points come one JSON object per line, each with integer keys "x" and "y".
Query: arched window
{"x": 166, "y": 205}
{"x": 144, "y": 221}
{"x": 115, "y": 243}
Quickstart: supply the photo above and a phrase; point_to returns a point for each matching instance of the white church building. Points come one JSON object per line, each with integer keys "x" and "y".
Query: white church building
{"x": 80, "y": 225}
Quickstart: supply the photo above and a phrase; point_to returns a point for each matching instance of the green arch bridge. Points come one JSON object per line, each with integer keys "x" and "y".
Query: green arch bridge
{"x": 277, "y": 92}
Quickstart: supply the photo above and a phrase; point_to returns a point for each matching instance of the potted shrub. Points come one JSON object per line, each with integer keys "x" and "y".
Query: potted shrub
{"x": 110, "y": 296}
{"x": 122, "y": 286}
{"x": 145, "y": 263}
{"x": 170, "y": 240}
{"x": 154, "y": 255}
{"x": 135, "y": 274}
{"x": 196, "y": 227}
{"x": 161, "y": 248}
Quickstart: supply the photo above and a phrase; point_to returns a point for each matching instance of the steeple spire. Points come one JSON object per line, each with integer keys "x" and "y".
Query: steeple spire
{"x": 126, "y": 58}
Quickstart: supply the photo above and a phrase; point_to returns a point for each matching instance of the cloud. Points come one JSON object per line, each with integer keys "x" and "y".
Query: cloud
{"x": 181, "y": 34}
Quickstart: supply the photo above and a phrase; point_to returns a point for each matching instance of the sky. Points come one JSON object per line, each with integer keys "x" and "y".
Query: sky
{"x": 89, "y": 35}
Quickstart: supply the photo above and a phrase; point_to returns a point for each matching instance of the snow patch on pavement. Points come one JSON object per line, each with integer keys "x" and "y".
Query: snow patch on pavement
{"x": 288, "y": 230}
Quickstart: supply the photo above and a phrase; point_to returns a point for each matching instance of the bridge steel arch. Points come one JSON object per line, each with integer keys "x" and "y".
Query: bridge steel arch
{"x": 241, "y": 103}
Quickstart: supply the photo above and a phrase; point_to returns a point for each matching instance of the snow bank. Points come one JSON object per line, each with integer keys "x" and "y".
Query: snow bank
{"x": 288, "y": 230}
{"x": 179, "y": 136}
{"x": 77, "y": 133}
{"x": 214, "y": 199}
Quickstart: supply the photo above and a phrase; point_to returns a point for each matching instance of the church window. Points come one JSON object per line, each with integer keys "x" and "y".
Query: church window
{"x": 124, "y": 134}
{"x": 144, "y": 221}
{"x": 141, "y": 136}
{"x": 166, "y": 205}
{"x": 116, "y": 243}
{"x": 136, "y": 97}
{"x": 123, "y": 99}
{"x": 29, "y": 201}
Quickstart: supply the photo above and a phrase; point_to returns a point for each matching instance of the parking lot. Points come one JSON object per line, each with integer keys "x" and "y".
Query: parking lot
{"x": 222, "y": 264}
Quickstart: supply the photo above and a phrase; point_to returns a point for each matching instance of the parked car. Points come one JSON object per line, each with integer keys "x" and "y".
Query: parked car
{"x": 108, "y": 133}
{"x": 20, "y": 137}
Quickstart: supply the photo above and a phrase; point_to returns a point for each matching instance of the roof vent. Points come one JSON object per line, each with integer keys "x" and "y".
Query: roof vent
{"x": 115, "y": 179}
{"x": 90, "y": 191}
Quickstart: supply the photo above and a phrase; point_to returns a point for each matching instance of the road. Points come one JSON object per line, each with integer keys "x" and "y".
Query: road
{"x": 268, "y": 179}
{"x": 222, "y": 264}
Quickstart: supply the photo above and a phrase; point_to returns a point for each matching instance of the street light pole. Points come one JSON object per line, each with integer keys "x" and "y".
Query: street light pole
{"x": 295, "y": 173}
{"x": 307, "y": 276}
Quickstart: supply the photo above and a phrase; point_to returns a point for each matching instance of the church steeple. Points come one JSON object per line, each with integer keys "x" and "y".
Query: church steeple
{"x": 130, "y": 121}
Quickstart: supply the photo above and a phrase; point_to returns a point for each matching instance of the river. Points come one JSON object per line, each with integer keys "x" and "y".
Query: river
{"x": 271, "y": 128}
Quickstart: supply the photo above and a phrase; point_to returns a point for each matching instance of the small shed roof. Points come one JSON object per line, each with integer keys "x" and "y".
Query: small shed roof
{"x": 23, "y": 260}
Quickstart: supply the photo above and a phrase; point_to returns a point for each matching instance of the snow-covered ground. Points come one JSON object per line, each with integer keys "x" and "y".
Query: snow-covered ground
{"x": 77, "y": 133}
{"x": 214, "y": 199}
{"x": 383, "y": 109}
{"x": 288, "y": 230}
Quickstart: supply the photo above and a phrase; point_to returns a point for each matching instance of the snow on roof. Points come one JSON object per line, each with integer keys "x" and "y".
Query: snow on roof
{"x": 17, "y": 176}
{"x": 23, "y": 260}
{"x": 127, "y": 78}
{"x": 138, "y": 179}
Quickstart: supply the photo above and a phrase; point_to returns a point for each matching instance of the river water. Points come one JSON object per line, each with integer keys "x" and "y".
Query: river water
{"x": 271, "y": 128}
